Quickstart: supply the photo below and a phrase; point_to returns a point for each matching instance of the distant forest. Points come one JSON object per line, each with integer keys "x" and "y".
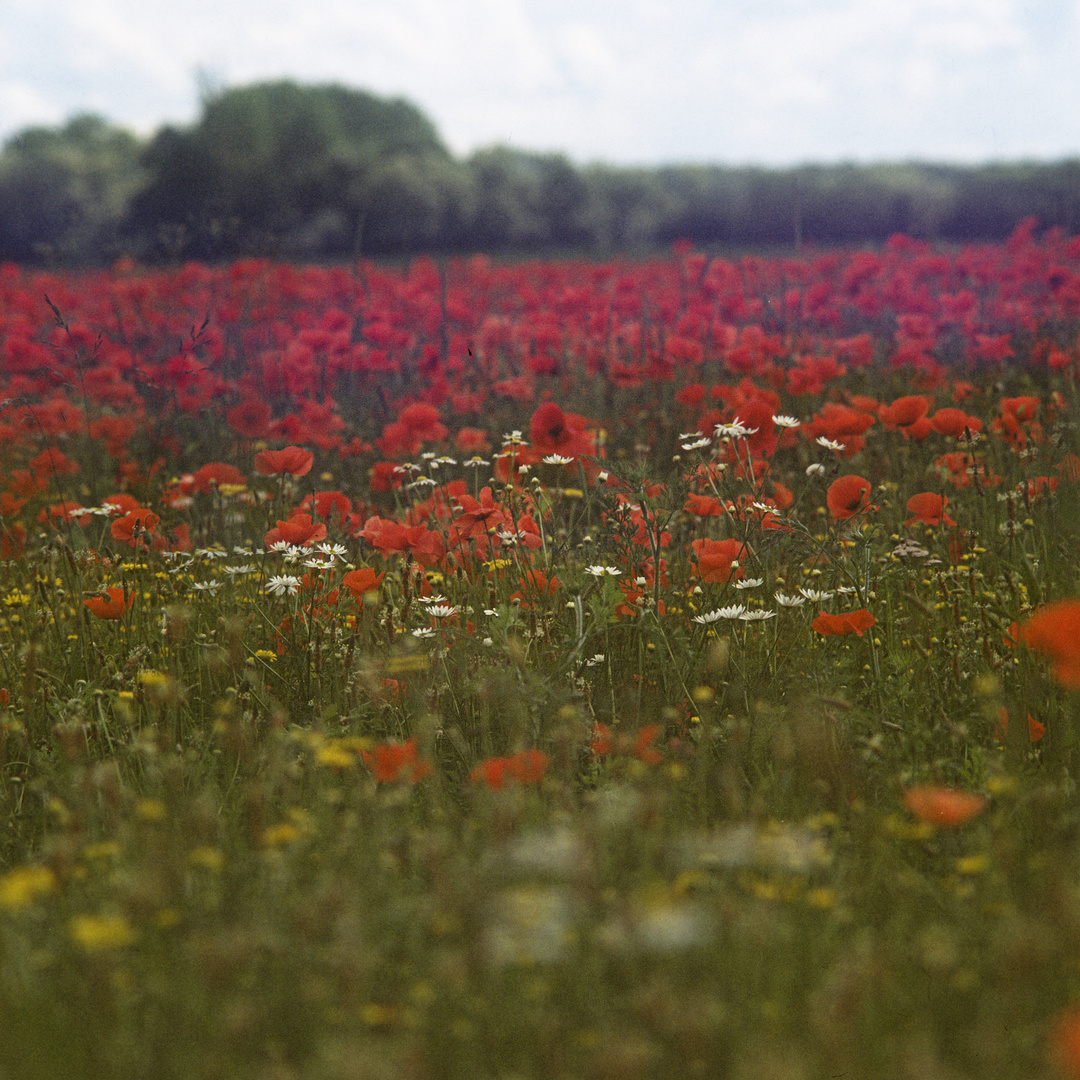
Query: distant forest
{"x": 328, "y": 173}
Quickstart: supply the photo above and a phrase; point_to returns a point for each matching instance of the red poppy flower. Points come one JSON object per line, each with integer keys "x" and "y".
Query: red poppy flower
{"x": 327, "y": 504}
{"x": 470, "y": 440}
{"x": 526, "y": 767}
{"x": 848, "y": 496}
{"x": 65, "y": 512}
{"x": 703, "y": 505}
{"x": 112, "y": 604}
{"x": 1054, "y": 631}
{"x": 718, "y": 560}
{"x": 216, "y": 473}
{"x": 547, "y": 427}
{"x": 905, "y": 411}
{"x": 294, "y": 460}
{"x": 950, "y": 421}
{"x": 605, "y": 741}
{"x": 299, "y": 530}
{"x": 386, "y": 476}
{"x": 52, "y": 462}
{"x": 847, "y": 622}
{"x": 391, "y": 761}
{"x": 122, "y": 503}
{"x": 928, "y": 508}
{"x": 1065, "y": 1043}
{"x": 12, "y": 541}
{"x": 251, "y": 418}
{"x": 362, "y": 582}
{"x": 945, "y": 807}
{"x": 135, "y": 527}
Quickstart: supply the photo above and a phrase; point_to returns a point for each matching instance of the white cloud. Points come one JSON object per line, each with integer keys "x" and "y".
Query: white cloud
{"x": 622, "y": 80}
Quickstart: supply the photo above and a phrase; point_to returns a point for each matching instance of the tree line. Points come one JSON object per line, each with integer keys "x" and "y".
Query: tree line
{"x": 328, "y": 172}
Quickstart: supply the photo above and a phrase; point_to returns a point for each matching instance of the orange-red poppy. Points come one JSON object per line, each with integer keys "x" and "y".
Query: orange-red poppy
{"x": 945, "y": 807}
{"x": 928, "y": 508}
{"x": 526, "y": 767}
{"x": 606, "y": 741}
{"x": 905, "y": 411}
{"x": 718, "y": 560}
{"x": 294, "y": 460}
{"x": 1054, "y": 631}
{"x": 848, "y": 496}
{"x": 134, "y": 528}
{"x": 110, "y": 604}
{"x": 952, "y": 421}
{"x": 216, "y": 473}
{"x": 299, "y": 530}
{"x": 846, "y": 622}
{"x": 362, "y": 582}
{"x": 1065, "y": 1043}
{"x": 391, "y": 761}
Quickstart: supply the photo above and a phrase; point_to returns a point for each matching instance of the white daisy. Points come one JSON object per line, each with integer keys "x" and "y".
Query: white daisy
{"x": 442, "y": 611}
{"x": 829, "y": 444}
{"x": 734, "y": 611}
{"x": 757, "y": 616}
{"x": 749, "y": 583}
{"x": 282, "y": 585}
{"x": 735, "y": 430}
{"x": 785, "y": 421}
{"x": 789, "y": 601}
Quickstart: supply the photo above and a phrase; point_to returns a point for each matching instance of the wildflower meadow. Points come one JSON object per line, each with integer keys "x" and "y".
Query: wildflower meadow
{"x": 606, "y": 670}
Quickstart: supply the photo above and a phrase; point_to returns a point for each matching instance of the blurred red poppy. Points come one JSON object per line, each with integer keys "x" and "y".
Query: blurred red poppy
{"x": 250, "y": 418}
{"x": 1054, "y": 631}
{"x": 847, "y": 622}
{"x": 216, "y": 473}
{"x": 1065, "y": 1043}
{"x": 929, "y": 509}
{"x": 945, "y": 807}
{"x": 526, "y": 767}
{"x": 294, "y": 460}
{"x": 391, "y": 761}
{"x": 905, "y": 411}
{"x": 955, "y": 422}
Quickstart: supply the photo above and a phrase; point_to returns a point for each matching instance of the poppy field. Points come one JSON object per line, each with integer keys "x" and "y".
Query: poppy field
{"x": 544, "y": 669}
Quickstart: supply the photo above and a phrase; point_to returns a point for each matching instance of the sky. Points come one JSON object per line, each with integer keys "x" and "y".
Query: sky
{"x": 627, "y": 82}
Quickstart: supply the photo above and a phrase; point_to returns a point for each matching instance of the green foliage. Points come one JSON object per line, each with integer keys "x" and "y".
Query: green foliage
{"x": 325, "y": 171}
{"x": 64, "y": 191}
